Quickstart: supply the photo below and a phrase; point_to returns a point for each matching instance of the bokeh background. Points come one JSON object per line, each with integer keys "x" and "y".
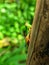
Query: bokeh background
{"x": 16, "y": 17}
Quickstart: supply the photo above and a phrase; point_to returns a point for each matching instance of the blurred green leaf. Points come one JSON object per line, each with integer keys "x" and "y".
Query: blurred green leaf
{"x": 13, "y": 17}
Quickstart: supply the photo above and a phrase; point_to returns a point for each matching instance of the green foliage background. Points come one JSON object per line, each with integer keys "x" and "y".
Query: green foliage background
{"x": 13, "y": 17}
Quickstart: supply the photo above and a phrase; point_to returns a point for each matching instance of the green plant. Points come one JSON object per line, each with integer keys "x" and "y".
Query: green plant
{"x": 13, "y": 18}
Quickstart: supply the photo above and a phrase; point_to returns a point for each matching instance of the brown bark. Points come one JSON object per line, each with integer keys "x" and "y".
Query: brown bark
{"x": 38, "y": 53}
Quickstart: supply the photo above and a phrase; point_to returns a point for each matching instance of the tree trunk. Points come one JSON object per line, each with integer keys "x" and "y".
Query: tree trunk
{"x": 38, "y": 52}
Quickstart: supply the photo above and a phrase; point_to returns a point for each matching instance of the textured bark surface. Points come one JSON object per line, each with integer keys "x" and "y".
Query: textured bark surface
{"x": 38, "y": 53}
